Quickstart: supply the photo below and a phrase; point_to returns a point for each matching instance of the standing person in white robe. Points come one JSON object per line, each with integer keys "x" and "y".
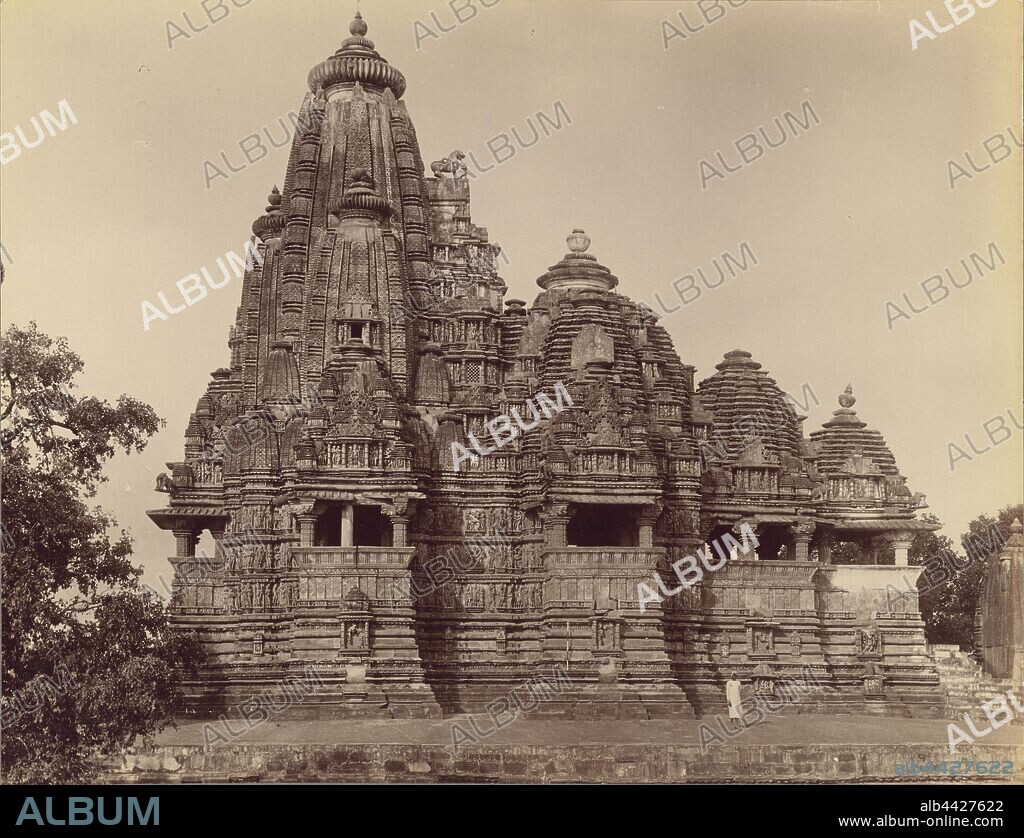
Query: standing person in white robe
{"x": 732, "y": 695}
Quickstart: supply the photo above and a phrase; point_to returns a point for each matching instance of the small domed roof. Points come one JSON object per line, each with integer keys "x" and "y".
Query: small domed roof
{"x": 747, "y": 405}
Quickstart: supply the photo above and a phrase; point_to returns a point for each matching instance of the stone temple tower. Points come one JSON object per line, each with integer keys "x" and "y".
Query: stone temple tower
{"x": 1001, "y": 610}
{"x": 373, "y": 343}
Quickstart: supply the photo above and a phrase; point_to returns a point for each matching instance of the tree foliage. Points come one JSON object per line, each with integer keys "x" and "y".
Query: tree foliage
{"x": 89, "y": 662}
{"x": 950, "y": 585}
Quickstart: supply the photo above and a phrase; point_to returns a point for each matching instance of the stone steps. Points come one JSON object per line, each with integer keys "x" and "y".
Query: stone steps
{"x": 965, "y": 685}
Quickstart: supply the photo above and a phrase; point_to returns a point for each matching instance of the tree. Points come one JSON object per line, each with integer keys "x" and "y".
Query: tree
{"x": 89, "y": 661}
{"x": 938, "y": 556}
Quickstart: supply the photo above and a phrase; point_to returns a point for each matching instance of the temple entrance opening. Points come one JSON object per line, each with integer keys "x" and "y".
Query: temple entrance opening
{"x": 602, "y": 525}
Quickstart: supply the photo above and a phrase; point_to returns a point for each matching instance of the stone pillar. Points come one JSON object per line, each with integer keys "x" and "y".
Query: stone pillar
{"x": 646, "y": 521}
{"x": 185, "y": 543}
{"x": 217, "y": 531}
{"x": 399, "y": 530}
{"x": 307, "y": 529}
{"x": 752, "y": 554}
{"x": 347, "y": 520}
{"x": 802, "y": 532}
{"x": 825, "y": 548}
{"x": 556, "y": 521}
{"x": 901, "y": 544}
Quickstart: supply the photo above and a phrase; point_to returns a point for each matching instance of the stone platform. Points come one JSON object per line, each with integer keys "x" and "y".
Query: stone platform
{"x": 805, "y": 748}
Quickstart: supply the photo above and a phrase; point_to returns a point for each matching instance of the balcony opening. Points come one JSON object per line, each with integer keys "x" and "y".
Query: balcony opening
{"x": 371, "y": 528}
{"x": 602, "y": 525}
{"x": 346, "y": 525}
{"x": 856, "y": 549}
{"x": 328, "y": 526}
{"x": 357, "y": 332}
{"x": 774, "y": 543}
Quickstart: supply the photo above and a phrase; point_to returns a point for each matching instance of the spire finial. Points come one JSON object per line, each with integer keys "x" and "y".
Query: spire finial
{"x": 578, "y": 241}
{"x": 358, "y": 26}
{"x": 846, "y": 398}
{"x": 274, "y": 200}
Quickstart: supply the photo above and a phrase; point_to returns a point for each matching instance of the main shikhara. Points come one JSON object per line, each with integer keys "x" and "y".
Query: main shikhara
{"x": 373, "y": 334}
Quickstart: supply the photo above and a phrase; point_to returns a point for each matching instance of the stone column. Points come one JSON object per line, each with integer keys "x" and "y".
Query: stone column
{"x": 901, "y": 544}
{"x": 802, "y": 532}
{"x": 307, "y": 529}
{"x": 825, "y": 548}
{"x": 347, "y": 520}
{"x": 646, "y": 521}
{"x": 398, "y": 514}
{"x": 185, "y": 543}
{"x": 752, "y": 555}
{"x": 217, "y": 531}
{"x": 399, "y": 530}
{"x": 556, "y": 520}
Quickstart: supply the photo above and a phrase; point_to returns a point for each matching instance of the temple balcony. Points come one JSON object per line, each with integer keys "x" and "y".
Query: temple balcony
{"x": 505, "y": 462}
{"x": 207, "y": 473}
{"x": 689, "y": 468}
{"x": 881, "y": 488}
{"x": 361, "y": 454}
{"x": 594, "y": 577}
{"x": 604, "y": 461}
{"x": 350, "y": 557}
{"x": 639, "y": 557}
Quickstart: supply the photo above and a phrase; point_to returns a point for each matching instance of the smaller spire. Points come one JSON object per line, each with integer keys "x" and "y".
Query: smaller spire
{"x": 1016, "y": 530}
{"x": 274, "y": 200}
{"x": 270, "y": 225}
{"x": 281, "y": 374}
{"x": 361, "y": 198}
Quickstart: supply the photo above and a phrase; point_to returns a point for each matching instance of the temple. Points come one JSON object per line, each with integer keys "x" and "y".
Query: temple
{"x": 373, "y": 340}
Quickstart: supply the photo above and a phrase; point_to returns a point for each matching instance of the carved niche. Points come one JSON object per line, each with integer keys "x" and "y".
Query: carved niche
{"x": 607, "y": 635}
{"x": 761, "y": 639}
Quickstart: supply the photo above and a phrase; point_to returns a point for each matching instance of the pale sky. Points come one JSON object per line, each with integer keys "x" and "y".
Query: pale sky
{"x": 841, "y": 218}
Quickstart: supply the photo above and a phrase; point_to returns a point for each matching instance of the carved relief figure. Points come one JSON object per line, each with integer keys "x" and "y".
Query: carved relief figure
{"x": 869, "y": 641}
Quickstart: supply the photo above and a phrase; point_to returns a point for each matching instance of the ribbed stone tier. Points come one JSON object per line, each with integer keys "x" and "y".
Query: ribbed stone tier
{"x": 748, "y": 406}
{"x": 845, "y": 436}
